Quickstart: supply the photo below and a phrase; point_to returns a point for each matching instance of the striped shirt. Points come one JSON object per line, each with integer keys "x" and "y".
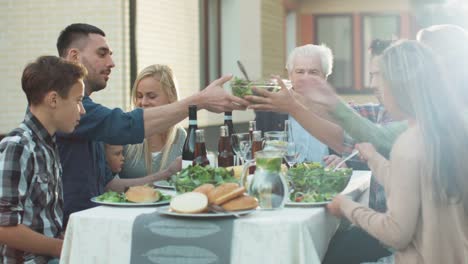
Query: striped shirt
{"x": 31, "y": 186}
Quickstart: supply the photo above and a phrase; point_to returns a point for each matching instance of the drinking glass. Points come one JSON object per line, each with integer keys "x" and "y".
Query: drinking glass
{"x": 241, "y": 144}
{"x": 275, "y": 140}
{"x": 292, "y": 153}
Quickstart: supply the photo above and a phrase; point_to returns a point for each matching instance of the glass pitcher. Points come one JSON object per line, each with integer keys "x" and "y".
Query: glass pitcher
{"x": 267, "y": 184}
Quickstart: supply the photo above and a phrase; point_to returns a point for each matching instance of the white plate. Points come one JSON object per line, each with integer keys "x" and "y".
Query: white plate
{"x": 296, "y": 204}
{"x": 164, "y": 185}
{"x": 166, "y": 211}
{"x": 127, "y": 204}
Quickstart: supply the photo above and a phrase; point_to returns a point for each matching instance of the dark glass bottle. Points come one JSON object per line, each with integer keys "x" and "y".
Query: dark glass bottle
{"x": 228, "y": 123}
{"x": 200, "y": 149}
{"x": 225, "y": 154}
{"x": 287, "y": 130}
{"x": 252, "y": 128}
{"x": 188, "y": 151}
{"x": 257, "y": 145}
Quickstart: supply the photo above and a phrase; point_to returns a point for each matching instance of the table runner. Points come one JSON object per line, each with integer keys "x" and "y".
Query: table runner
{"x": 175, "y": 240}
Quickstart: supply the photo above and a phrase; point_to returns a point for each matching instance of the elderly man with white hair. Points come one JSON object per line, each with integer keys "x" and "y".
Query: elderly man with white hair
{"x": 305, "y": 62}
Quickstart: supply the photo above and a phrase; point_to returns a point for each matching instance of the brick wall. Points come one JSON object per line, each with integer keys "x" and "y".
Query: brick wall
{"x": 273, "y": 38}
{"x": 30, "y": 28}
{"x": 168, "y": 33}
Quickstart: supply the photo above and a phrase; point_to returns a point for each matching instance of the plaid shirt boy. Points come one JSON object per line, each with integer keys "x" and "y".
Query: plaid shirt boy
{"x": 31, "y": 188}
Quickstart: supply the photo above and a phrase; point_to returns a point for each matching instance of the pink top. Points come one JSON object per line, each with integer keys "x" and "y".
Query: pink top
{"x": 420, "y": 229}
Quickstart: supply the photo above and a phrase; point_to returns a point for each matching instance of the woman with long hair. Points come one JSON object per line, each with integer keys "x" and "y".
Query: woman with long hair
{"x": 425, "y": 180}
{"x": 154, "y": 86}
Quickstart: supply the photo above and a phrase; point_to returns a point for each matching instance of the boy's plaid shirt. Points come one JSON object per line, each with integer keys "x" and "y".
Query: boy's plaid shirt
{"x": 31, "y": 186}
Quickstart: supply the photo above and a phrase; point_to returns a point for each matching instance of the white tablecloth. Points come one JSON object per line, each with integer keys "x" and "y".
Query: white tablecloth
{"x": 290, "y": 235}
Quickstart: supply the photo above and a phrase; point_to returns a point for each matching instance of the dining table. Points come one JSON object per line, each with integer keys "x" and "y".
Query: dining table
{"x": 297, "y": 233}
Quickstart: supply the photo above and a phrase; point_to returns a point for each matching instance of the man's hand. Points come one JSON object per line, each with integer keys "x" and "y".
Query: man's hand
{"x": 215, "y": 99}
{"x": 366, "y": 151}
{"x": 334, "y": 207}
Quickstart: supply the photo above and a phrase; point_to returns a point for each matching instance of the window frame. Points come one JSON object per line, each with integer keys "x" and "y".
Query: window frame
{"x": 365, "y": 46}
{"x": 341, "y": 90}
{"x": 205, "y": 46}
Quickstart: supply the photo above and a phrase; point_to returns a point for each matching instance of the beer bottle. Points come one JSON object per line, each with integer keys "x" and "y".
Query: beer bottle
{"x": 200, "y": 149}
{"x": 188, "y": 151}
{"x": 225, "y": 154}
{"x": 257, "y": 145}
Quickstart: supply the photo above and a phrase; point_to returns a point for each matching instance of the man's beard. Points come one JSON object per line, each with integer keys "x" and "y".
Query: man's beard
{"x": 93, "y": 86}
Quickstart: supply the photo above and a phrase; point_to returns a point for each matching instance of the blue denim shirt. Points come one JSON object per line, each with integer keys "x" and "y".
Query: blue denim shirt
{"x": 313, "y": 149}
{"x": 85, "y": 172}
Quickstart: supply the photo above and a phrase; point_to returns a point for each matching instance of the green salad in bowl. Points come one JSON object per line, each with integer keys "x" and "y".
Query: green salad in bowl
{"x": 241, "y": 87}
{"x": 193, "y": 176}
{"x": 312, "y": 183}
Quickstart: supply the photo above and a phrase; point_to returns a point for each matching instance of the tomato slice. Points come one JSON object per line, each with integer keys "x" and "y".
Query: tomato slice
{"x": 299, "y": 199}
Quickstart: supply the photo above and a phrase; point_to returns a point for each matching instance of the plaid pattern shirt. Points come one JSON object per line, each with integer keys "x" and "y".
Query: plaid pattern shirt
{"x": 375, "y": 113}
{"x": 31, "y": 186}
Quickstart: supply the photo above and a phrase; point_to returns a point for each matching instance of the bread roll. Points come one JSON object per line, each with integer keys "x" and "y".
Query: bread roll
{"x": 189, "y": 203}
{"x": 244, "y": 202}
{"x": 142, "y": 194}
{"x": 221, "y": 190}
{"x": 205, "y": 188}
{"x": 229, "y": 196}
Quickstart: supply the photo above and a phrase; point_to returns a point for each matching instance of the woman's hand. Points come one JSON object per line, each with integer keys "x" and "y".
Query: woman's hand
{"x": 366, "y": 151}
{"x": 334, "y": 207}
{"x": 333, "y": 160}
{"x": 315, "y": 91}
{"x": 280, "y": 101}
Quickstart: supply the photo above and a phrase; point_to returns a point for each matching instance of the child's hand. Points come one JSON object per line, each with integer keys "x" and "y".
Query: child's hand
{"x": 175, "y": 166}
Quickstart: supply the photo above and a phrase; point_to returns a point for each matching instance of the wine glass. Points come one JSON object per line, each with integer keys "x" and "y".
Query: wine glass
{"x": 242, "y": 145}
{"x": 292, "y": 153}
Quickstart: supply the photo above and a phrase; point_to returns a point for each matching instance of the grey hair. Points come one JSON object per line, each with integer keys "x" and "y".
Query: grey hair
{"x": 324, "y": 52}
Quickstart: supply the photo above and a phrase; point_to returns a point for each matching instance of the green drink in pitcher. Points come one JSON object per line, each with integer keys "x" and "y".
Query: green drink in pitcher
{"x": 267, "y": 184}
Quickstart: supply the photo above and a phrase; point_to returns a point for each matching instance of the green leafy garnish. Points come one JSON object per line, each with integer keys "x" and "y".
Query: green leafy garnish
{"x": 115, "y": 197}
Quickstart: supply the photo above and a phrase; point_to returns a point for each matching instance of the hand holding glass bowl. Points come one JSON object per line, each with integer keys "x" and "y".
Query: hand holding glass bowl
{"x": 241, "y": 87}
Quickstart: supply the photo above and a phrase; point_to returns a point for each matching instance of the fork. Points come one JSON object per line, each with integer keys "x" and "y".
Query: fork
{"x": 354, "y": 153}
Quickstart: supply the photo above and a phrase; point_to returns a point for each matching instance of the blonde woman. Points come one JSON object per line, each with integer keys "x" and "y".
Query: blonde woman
{"x": 154, "y": 86}
{"x": 425, "y": 180}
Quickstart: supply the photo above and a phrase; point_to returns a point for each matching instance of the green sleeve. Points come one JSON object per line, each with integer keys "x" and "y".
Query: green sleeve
{"x": 363, "y": 130}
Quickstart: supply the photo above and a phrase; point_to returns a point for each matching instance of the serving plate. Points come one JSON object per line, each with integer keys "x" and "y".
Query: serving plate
{"x": 165, "y": 210}
{"x": 129, "y": 204}
{"x": 299, "y": 204}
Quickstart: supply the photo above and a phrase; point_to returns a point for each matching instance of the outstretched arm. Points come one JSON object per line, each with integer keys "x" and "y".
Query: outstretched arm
{"x": 119, "y": 185}
{"x": 23, "y": 238}
{"x": 287, "y": 100}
